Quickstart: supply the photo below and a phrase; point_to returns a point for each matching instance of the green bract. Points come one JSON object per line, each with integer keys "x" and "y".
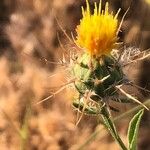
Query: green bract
{"x": 97, "y": 75}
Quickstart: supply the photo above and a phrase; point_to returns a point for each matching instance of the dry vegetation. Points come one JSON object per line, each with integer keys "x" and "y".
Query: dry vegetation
{"x": 28, "y": 37}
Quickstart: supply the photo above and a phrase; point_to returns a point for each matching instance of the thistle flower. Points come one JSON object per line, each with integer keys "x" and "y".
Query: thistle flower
{"x": 97, "y": 32}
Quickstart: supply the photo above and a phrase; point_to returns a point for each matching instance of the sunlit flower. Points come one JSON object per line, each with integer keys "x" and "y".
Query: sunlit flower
{"x": 97, "y": 32}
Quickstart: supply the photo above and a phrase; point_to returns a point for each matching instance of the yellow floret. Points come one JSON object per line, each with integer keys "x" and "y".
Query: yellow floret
{"x": 97, "y": 32}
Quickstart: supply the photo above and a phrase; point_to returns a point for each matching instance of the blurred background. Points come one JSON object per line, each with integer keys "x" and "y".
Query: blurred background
{"x": 30, "y": 35}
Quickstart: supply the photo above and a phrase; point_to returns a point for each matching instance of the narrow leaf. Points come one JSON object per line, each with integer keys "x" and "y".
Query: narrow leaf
{"x": 133, "y": 130}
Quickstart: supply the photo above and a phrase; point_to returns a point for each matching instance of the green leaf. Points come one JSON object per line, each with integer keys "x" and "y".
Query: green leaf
{"x": 133, "y": 130}
{"x": 89, "y": 110}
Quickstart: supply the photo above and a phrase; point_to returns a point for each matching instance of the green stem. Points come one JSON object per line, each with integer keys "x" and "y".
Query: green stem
{"x": 93, "y": 136}
{"x": 24, "y": 131}
{"x": 111, "y": 127}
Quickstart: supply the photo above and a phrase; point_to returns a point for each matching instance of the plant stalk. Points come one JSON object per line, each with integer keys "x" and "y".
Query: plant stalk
{"x": 111, "y": 127}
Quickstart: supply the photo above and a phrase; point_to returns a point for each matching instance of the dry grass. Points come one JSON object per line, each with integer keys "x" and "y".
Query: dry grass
{"x": 25, "y": 77}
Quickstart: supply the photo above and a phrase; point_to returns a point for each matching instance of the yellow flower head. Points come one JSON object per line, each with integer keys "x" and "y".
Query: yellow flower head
{"x": 97, "y": 32}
